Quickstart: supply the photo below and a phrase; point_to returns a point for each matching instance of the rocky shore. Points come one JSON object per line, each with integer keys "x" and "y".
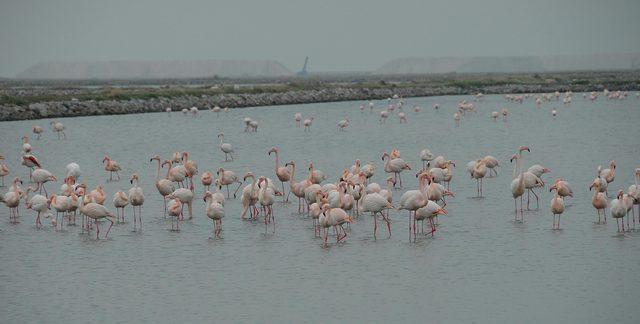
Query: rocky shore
{"x": 70, "y": 108}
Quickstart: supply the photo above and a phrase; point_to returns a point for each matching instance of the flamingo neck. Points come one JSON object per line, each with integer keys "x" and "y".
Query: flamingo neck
{"x": 293, "y": 173}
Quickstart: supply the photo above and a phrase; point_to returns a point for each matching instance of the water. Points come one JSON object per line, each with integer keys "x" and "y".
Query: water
{"x": 480, "y": 267}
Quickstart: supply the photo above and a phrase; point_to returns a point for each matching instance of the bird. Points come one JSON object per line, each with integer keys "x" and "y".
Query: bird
{"x": 425, "y": 157}
{"x": 41, "y": 176}
{"x": 599, "y": 201}
{"x": 608, "y": 174}
{"x": 634, "y": 190}
{"x": 215, "y": 212}
{"x": 395, "y": 166}
{"x": 297, "y": 188}
{"x": 186, "y": 197}
{"x": 429, "y": 211}
{"x": 38, "y": 130}
{"x": 265, "y": 197}
{"x": 557, "y": 207}
{"x": 206, "y": 179}
{"x": 478, "y": 173}
{"x": 37, "y": 203}
{"x": 376, "y": 204}
{"x": 190, "y": 165}
{"x": 282, "y": 173}
{"x": 174, "y": 209}
{"x": 96, "y": 212}
{"x": 383, "y": 116}
{"x": 136, "y": 199}
{"x": 111, "y": 166}
{"x": 413, "y": 200}
{"x": 494, "y": 115}
{"x": 517, "y": 184}
{"x": 61, "y": 205}
{"x": 298, "y": 119}
{"x": 164, "y": 185}
{"x": 4, "y": 171}
{"x": 343, "y": 124}
{"x": 58, "y": 128}
{"x": 11, "y": 199}
{"x": 403, "y": 117}
{"x": 26, "y": 147}
{"x": 120, "y": 201}
{"x": 250, "y": 197}
{"x": 335, "y": 217}
{"x": 307, "y": 124}
{"x": 316, "y": 176}
{"x": 456, "y": 117}
{"x": 31, "y": 162}
{"x": 491, "y": 163}
{"x": 73, "y": 170}
{"x": 618, "y": 210}
{"x": 226, "y": 177}
{"x": 315, "y": 209}
{"x": 176, "y": 173}
{"x": 226, "y": 148}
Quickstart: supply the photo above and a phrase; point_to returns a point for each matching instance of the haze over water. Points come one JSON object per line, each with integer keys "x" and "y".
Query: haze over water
{"x": 479, "y": 267}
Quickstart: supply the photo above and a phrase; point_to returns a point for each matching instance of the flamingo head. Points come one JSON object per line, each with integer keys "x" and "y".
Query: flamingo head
{"x": 248, "y": 175}
{"x": 513, "y": 157}
{"x": 385, "y": 154}
{"x": 546, "y": 170}
{"x": 391, "y": 180}
{"x": 612, "y": 165}
{"x": 524, "y": 148}
{"x": 448, "y": 193}
{"x": 357, "y": 162}
{"x": 620, "y": 193}
{"x": 273, "y": 150}
{"x": 133, "y": 177}
{"x": 441, "y": 211}
{"x": 17, "y": 180}
{"x": 106, "y": 158}
{"x": 290, "y": 163}
{"x": 206, "y": 195}
{"x": 220, "y": 170}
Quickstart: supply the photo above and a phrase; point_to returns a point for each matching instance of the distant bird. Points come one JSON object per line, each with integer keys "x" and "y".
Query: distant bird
{"x": 494, "y": 115}
{"x": 58, "y": 128}
{"x": 73, "y": 170}
{"x": 11, "y": 199}
{"x": 557, "y": 207}
{"x": 226, "y": 148}
{"x": 26, "y": 147}
{"x": 307, "y": 124}
{"x": 456, "y": 117}
{"x": 383, "y": 116}
{"x": 4, "y": 171}
{"x": 395, "y": 166}
{"x": 136, "y": 199}
{"x": 111, "y": 166}
{"x": 38, "y": 130}
{"x": 425, "y": 157}
{"x": 298, "y": 119}
{"x": 343, "y": 124}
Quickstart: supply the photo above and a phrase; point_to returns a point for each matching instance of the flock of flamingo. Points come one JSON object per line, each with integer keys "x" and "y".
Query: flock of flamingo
{"x": 332, "y": 205}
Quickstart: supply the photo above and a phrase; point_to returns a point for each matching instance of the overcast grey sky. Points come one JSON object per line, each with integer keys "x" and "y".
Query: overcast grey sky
{"x": 338, "y": 35}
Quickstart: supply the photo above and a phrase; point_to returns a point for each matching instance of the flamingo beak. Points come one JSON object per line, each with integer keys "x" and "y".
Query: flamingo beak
{"x": 441, "y": 211}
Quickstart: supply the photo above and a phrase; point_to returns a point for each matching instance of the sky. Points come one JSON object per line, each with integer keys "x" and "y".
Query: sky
{"x": 337, "y": 35}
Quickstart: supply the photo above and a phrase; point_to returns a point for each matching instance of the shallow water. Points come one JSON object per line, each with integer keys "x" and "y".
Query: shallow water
{"x": 480, "y": 267}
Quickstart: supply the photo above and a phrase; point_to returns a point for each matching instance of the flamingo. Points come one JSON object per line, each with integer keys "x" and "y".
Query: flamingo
{"x": 4, "y": 171}
{"x": 136, "y": 198}
{"x": 394, "y": 166}
{"x": 40, "y": 177}
{"x": 111, "y": 166}
{"x": 403, "y": 117}
{"x": 164, "y": 185}
{"x": 456, "y": 117}
{"x": 215, "y": 212}
{"x": 37, "y": 203}
{"x": 250, "y": 197}
{"x": 335, "y": 217}
{"x": 316, "y": 176}
{"x": 376, "y": 204}
{"x": 174, "y": 208}
{"x": 31, "y": 162}
{"x": 226, "y": 178}
{"x": 186, "y": 197}
{"x": 383, "y": 116}
{"x": 557, "y": 206}
{"x": 343, "y": 124}
{"x": 73, "y": 170}
{"x": 61, "y": 205}
{"x": 491, "y": 163}
{"x": 26, "y": 147}
{"x": 98, "y": 195}
{"x": 265, "y": 197}
{"x": 120, "y": 201}
{"x": 634, "y": 190}
{"x": 216, "y": 110}
{"x": 494, "y": 115}
{"x": 207, "y": 179}
{"x": 430, "y": 211}
{"x": 297, "y": 188}
{"x": 315, "y": 209}
{"x": 38, "y": 130}
{"x": 517, "y": 185}
{"x": 96, "y": 212}
{"x": 608, "y": 174}
{"x": 368, "y": 170}
{"x": 12, "y": 200}
{"x": 413, "y": 200}
{"x": 176, "y": 173}
{"x": 190, "y": 165}
{"x": 307, "y": 124}
{"x": 618, "y": 209}
{"x": 226, "y": 148}
{"x": 425, "y": 157}
{"x": 298, "y": 119}
{"x": 282, "y": 173}
{"x": 599, "y": 201}
{"x": 478, "y": 173}
{"x": 58, "y": 128}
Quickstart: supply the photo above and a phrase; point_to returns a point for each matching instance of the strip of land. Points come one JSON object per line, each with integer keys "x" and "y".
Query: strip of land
{"x": 36, "y": 99}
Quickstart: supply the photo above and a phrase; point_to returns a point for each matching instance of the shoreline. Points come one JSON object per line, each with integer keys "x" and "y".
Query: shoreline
{"x": 321, "y": 92}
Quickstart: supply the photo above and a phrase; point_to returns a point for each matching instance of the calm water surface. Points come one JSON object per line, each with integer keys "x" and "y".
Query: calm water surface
{"x": 480, "y": 267}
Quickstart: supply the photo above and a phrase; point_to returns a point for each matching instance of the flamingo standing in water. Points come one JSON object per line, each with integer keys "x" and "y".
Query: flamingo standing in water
{"x": 618, "y": 210}
{"x": 31, "y": 162}
{"x": 111, "y": 166}
{"x": 164, "y": 185}
{"x": 491, "y": 163}
{"x": 136, "y": 198}
{"x": 4, "y": 171}
{"x": 298, "y": 118}
{"x": 413, "y": 200}
{"x": 425, "y": 157}
{"x": 250, "y": 197}
{"x": 517, "y": 184}
{"x": 174, "y": 208}
{"x": 297, "y": 188}
{"x": 215, "y": 211}
{"x": 265, "y": 197}
{"x": 478, "y": 173}
{"x": 395, "y": 166}
{"x": 307, "y": 124}
{"x": 38, "y": 203}
{"x": 120, "y": 201}
{"x": 26, "y": 147}
{"x": 557, "y": 206}
{"x": 282, "y": 173}
{"x": 599, "y": 201}
{"x": 40, "y": 177}
{"x": 58, "y": 128}
{"x": 38, "y": 130}
{"x": 186, "y": 197}
{"x": 207, "y": 179}
{"x": 430, "y": 211}
{"x": 96, "y": 212}
{"x": 225, "y": 178}
{"x": 226, "y": 148}
{"x": 608, "y": 174}
{"x": 12, "y": 200}
{"x": 376, "y": 204}
{"x": 335, "y": 217}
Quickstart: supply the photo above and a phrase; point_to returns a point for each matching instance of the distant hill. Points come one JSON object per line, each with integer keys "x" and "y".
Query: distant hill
{"x": 413, "y": 65}
{"x": 155, "y": 69}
